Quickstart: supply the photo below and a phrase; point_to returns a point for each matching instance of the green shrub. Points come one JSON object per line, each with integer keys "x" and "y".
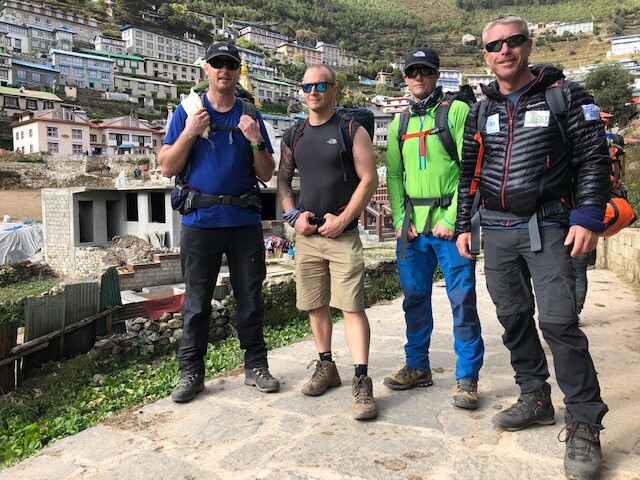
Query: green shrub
{"x": 9, "y": 178}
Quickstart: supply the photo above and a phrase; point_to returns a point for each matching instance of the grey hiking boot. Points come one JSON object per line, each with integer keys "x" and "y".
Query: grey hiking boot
{"x": 408, "y": 377}
{"x": 531, "y": 408}
{"x": 582, "y": 457}
{"x": 260, "y": 378}
{"x": 364, "y": 406}
{"x": 188, "y": 387}
{"x": 326, "y": 376}
{"x": 466, "y": 394}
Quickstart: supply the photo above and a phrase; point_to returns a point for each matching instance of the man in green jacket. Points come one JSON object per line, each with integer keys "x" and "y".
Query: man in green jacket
{"x": 422, "y": 180}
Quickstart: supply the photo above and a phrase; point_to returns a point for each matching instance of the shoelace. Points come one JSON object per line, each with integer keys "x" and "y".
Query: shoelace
{"x": 319, "y": 370}
{"x": 262, "y": 372}
{"x": 187, "y": 380}
{"x": 405, "y": 371}
{"x": 362, "y": 391}
{"x": 581, "y": 445}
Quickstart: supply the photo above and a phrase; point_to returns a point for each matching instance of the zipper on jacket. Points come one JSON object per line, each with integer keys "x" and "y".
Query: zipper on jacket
{"x": 511, "y": 115}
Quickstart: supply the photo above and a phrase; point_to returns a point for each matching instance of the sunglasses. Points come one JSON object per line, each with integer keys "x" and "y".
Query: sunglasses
{"x": 512, "y": 41}
{"x": 412, "y": 72}
{"x": 219, "y": 63}
{"x": 320, "y": 86}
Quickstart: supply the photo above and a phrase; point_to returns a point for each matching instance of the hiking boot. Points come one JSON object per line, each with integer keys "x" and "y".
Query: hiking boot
{"x": 582, "y": 457}
{"x": 531, "y": 408}
{"x": 260, "y": 378}
{"x": 408, "y": 377}
{"x": 466, "y": 394}
{"x": 325, "y": 376}
{"x": 188, "y": 387}
{"x": 364, "y": 406}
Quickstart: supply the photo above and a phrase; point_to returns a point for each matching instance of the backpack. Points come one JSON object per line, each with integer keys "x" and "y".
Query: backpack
{"x": 361, "y": 115}
{"x": 185, "y": 199}
{"x": 465, "y": 94}
{"x": 619, "y": 213}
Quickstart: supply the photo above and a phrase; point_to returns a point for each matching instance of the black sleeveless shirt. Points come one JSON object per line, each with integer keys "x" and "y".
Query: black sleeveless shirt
{"x": 327, "y": 182}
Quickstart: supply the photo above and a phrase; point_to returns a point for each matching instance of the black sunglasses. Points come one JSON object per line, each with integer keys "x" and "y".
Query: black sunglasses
{"x": 320, "y": 87}
{"x": 512, "y": 41}
{"x": 219, "y": 63}
{"x": 412, "y": 72}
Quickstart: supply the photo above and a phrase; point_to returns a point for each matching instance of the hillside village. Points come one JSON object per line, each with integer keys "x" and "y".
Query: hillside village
{"x": 47, "y": 55}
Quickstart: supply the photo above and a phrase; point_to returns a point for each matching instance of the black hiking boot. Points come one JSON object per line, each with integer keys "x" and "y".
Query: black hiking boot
{"x": 260, "y": 378}
{"x": 188, "y": 387}
{"x": 531, "y": 408}
{"x": 582, "y": 457}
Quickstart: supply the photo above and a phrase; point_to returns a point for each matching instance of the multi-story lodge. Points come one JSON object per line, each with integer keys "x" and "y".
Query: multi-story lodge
{"x": 147, "y": 43}
{"x": 83, "y": 70}
{"x": 23, "y": 13}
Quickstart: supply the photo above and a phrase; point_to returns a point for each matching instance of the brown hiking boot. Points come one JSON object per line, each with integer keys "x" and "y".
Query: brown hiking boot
{"x": 466, "y": 394}
{"x": 408, "y": 377}
{"x": 364, "y": 406}
{"x": 325, "y": 376}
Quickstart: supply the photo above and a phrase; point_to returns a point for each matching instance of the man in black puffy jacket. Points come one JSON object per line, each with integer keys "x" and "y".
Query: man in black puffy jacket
{"x": 542, "y": 185}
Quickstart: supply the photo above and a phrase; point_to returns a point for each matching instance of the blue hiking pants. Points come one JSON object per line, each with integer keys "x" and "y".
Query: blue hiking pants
{"x": 424, "y": 253}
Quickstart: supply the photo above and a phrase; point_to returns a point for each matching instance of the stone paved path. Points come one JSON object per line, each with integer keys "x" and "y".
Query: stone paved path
{"x": 231, "y": 431}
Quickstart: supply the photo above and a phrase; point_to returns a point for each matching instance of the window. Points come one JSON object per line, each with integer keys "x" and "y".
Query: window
{"x": 52, "y": 132}
{"x": 141, "y": 86}
{"x": 93, "y": 138}
{"x": 157, "y": 207}
{"x": 64, "y": 70}
{"x": 105, "y": 75}
{"x": 132, "y": 207}
{"x": 76, "y": 133}
{"x": 78, "y": 72}
{"x": 30, "y": 148}
{"x": 31, "y": 133}
{"x": 52, "y": 147}
{"x": 78, "y": 83}
{"x": 85, "y": 218}
{"x": 22, "y": 135}
{"x": 32, "y": 104}
{"x": 76, "y": 149}
{"x": 47, "y": 104}
{"x": 138, "y": 34}
{"x": 150, "y": 45}
{"x": 35, "y": 77}
{"x": 21, "y": 74}
{"x": 149, "y": 36}
{"x": 17, "y": 135}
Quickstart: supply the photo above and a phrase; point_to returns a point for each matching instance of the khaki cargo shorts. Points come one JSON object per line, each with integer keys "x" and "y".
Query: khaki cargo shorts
{"x": 330, "y": 271}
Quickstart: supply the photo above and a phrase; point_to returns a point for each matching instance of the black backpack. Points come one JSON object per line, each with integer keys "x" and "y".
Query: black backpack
{"x": 348, "y": 116}
{"x": 466, "y": 95}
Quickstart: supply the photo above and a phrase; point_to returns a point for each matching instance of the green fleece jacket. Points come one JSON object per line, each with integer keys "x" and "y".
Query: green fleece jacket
{"x": 430, "y": 173}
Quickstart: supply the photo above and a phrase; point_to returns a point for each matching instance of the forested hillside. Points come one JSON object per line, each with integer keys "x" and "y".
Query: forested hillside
{"x": 386, "y": 29}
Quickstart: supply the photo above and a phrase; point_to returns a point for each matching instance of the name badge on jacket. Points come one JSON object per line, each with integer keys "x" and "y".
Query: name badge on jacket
{"x": 536, "y": 118}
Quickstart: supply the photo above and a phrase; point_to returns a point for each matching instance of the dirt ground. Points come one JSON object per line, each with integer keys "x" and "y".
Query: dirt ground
{"x": 21, "y": 204}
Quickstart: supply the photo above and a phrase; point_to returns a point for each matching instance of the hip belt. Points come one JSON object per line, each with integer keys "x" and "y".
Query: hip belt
{"x": 409, "y": 203}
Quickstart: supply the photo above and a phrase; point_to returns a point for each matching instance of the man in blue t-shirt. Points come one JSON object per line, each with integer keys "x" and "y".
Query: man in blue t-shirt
{"x": 221, "y": 165}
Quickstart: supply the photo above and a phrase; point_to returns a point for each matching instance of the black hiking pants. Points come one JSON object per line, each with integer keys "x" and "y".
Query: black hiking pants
{"x": 510, "y": 268}
{"x": 201, "y": 252}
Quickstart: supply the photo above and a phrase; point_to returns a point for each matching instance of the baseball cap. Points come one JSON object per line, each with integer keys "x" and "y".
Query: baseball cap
{"x": 422, "y": 56}
{"x": 222, "y": 49}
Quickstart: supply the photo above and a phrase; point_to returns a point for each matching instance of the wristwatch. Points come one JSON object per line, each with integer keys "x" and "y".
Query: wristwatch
{"x": 260, "y": 146}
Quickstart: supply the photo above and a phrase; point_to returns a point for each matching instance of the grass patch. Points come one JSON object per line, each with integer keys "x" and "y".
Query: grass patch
{"x": 20, "y": 290}
{"x": 64, "y": 401}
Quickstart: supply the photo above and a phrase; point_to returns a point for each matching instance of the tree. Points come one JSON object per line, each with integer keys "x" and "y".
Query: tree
{"x": 610, "y": 85}
{"x": 382, "y": 89}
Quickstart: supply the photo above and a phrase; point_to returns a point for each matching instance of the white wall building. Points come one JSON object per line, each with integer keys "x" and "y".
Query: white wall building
{"x": 263, "y": 37}
{"x": 625, "y": 45}
{"x": 575, "y": 28}
{"x": 330, "y": 53}
{"x": 140, "y": 41}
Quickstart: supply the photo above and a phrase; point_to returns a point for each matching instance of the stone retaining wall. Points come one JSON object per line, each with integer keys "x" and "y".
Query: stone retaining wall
{"x": 164, "y": 270}
{"x": 621, "y": 254}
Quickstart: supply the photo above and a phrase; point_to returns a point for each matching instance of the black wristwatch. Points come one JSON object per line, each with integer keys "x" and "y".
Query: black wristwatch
{"x": 260, "y": 146}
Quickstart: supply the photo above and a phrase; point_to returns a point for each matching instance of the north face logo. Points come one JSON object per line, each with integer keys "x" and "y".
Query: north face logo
{"x": 419, "y": 53}
{"x": 332, "y": 141}
{"x": 223, "y": 47}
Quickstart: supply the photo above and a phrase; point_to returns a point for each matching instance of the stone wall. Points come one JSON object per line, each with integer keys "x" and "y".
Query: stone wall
{"x": 164, "y": 270}
{"x": 58, "y": 230}
{"x": 621, "y": 254}
{"x": 88, "y": 263}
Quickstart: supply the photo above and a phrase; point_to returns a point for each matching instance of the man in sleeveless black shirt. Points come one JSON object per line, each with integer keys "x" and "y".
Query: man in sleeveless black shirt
{"x": 334, "y": 189}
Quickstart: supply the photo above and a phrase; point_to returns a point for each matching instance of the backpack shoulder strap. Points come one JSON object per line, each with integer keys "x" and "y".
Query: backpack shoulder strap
{"x": 403, "y": 124}
{"x": 248, "y": 108}
{"x": 554, "y": 96}
{"x": 444, "y": 132}
{"x": 346, "y": 132}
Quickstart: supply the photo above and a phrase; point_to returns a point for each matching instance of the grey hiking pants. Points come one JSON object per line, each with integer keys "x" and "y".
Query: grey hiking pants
{"x": 510, "y": 268}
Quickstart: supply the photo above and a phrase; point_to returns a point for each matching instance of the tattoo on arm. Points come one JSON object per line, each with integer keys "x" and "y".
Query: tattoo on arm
{"x": 285, "y": 173}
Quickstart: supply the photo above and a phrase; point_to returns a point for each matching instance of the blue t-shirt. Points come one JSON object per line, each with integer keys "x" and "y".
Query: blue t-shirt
{"x": 219, "y": 165}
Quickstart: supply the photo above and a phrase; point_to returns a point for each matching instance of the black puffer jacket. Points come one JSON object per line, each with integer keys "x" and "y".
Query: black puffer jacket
{"x": 526, "y": 166}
